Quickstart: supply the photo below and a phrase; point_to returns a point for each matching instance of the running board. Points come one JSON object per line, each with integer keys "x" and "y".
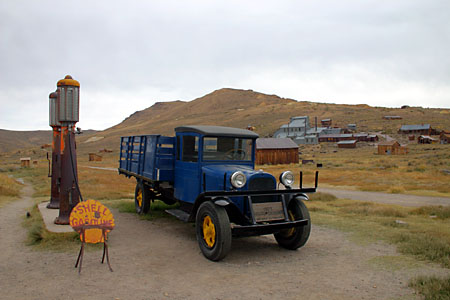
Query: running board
{"x": 178, "y": 213}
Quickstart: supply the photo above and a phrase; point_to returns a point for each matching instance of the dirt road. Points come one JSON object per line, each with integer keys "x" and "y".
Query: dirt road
{"x": 398, "y": 199}
{"x": 388, "y": 198}
{"x": 161, "y": 260}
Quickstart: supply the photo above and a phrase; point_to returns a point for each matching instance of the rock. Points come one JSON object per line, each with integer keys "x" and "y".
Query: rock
{"x": 401, "y": 222}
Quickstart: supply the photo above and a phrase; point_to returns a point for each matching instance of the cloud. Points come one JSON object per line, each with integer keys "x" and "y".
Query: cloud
{"x": 375, "y": 52}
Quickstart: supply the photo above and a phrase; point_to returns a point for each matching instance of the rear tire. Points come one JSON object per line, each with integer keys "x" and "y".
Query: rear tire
{"x": 213, "y": 231}
{"x": 142, "y": 198}
{"x": 295, "y": 238}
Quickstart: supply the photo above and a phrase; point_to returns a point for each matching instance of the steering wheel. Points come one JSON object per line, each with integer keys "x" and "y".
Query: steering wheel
{"x": 235, "y": 154}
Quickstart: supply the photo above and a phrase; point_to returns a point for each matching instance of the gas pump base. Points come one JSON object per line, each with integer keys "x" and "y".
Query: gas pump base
{"x": 64, "y": 220}
{"x": 53, "y": 204}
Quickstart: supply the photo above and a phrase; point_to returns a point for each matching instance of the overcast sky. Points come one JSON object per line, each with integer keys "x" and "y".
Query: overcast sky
{"x": 129, "y": 54}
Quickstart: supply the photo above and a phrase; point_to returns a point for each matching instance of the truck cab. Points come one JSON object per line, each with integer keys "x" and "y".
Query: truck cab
{"x": 210, "y": 172}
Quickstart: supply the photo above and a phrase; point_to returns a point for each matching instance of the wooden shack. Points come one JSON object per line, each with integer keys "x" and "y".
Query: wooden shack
{"x": 426, "y": 139}
{"x": 445, "y": 137}
{"x": 392, "y": 117}
{"x": 25, "y": 162}
{"x": 334, "y": 138}
{"x": 391, "y": 147}
{"x": 347, "y": 144}
{"x": 94, "y": 157}
{"x": 273, "y": 151}
{"x": 326, "y": 122}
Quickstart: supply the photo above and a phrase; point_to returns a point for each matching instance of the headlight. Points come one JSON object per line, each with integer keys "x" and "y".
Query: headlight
{"x": 238, "y": 179}
{"x": 287, "y": 178}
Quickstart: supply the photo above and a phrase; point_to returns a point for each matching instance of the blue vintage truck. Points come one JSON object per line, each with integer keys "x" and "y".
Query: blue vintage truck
{"x": 209, "y": 171}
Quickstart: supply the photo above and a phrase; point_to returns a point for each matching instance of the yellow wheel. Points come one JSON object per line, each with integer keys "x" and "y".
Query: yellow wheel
{"x": 295, "y": 237}
{"x": 290, "y": 232}
{"x": 139, "y": 198}
{"x": 142, "y": 198}
{"x": 213, "y": 231}
{"x": 209, "y": 231}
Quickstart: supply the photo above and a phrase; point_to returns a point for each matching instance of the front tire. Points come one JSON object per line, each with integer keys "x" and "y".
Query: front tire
{"x": 295, "y": 238}
{"x": 213, "y": 231}
{"x": 142, "y": 198}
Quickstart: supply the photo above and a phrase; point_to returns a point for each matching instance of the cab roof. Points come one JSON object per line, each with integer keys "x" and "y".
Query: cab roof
{"x": 218, "y": 131}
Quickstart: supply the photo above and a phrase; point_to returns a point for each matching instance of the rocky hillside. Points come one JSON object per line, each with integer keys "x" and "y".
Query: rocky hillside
{"x": 236, "y": 108}
{"x": 240, "y": 108}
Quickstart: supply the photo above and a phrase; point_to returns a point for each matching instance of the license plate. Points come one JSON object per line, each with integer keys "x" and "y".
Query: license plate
{"x": 268, "y": 211}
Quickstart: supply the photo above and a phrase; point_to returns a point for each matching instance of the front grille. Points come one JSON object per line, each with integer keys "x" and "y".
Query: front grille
{"x": 262, "y": 184}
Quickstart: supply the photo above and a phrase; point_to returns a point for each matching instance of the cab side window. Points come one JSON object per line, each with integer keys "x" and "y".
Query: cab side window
{"x": 190, "y": 148}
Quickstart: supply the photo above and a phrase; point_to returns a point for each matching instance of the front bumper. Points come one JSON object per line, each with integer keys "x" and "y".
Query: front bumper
{"x": 261, "y": 229}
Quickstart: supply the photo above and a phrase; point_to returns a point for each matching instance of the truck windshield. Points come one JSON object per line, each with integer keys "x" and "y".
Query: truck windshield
{"x": 227, "y": 148}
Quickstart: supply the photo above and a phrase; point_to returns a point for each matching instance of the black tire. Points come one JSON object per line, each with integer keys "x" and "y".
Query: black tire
{"x": 214, "y": 245}
{"x": 142, "y": 198}
{"x": 295, "y": 238}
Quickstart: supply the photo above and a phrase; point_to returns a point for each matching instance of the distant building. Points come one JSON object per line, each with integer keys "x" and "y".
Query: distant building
{"x": 275, "y": 151}
{"x": 365, "y": 137}
{"x": 392, "y": 118}
{"x": 325, "y": 122}
{"x": 334, "y": 138}
{"x": 347, "y": 144}
{"x": 426, "y": 139}
{"x": 25, "y": 162}
{"x": 391, "y": 148}
{"x": 94, "y": 157}
{"x": 423, "y": 129}
{"x": 300, "y": 131}
{"x": 445, "y": 137}
{"x": 351, "y": 127}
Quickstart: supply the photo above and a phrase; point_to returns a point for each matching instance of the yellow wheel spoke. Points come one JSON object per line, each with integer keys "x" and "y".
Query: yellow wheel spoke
{"x": 290, "y": 231}
{"x": 139, "y": 198}
{"x": 209, "y": 231}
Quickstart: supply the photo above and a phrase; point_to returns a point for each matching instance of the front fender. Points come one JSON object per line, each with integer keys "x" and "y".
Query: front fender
{"x": 234, "y": 214}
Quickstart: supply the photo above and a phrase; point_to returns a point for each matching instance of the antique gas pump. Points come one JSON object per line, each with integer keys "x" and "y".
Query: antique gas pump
{"x": 56, "y": 152}
{"x": 68, "y": 104}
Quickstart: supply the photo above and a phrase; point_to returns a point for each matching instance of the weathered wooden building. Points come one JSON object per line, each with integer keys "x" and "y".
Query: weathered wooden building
{"x": 445, "y": 137}
{"x": 347, "y": 144}
{"x": 94, "y": 157}
{"x": 391, "y": 147}
{"x": 392, "y": 117}
{"x": 334, "y": 138}
{"x": 272, "y": 151}
{"x": 25, "y": 162}
{"x": 423, "y": 129}
{"x": 365, "y": 137}
{"x": 326, "y": 122}
{"x": 426, "y": 139}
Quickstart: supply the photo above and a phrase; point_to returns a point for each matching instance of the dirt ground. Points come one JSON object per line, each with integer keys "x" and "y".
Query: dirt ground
{"x": 161, "y": 260}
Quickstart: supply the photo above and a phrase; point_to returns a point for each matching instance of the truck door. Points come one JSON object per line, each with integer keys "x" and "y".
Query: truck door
{"x": 187, "y": 167}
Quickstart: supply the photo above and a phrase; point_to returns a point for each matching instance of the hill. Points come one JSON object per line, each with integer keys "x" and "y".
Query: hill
{"x": 16, "y": 140}
{"x": 11, "y": 140}
{"x": 240, "y": 108}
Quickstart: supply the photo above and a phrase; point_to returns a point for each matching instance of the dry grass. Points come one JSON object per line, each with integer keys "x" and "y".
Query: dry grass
{"x": 411, "y": 229}
{"x": 42, "y": 239}
{"x": 432, "y": 288}
{"x": 419, "y": 172}
{"x": 9, "y": 187}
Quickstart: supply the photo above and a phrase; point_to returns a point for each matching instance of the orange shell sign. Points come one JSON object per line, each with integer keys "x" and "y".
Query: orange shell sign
{"x": 93, "y": 218}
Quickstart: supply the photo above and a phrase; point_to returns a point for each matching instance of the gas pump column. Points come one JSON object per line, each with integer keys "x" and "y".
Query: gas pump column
{"x": 56, "y": 151}
{"x": 68, "y": 91}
